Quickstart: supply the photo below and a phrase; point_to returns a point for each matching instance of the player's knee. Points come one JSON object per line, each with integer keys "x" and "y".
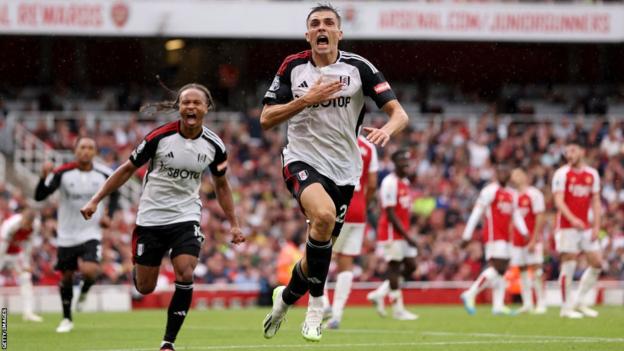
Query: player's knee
{"x": 324, "y": 221}
{"x": 596, "y": 264}
{"x": 145, "y": 287}
{"x": 91, "y": 273}
{"x": 67, "y": 278}
{"x": 185, "y": 276}
{"x": 567, "y": 257}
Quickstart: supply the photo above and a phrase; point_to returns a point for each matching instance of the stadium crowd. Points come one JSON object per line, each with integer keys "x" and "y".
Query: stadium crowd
{"x": 451, "y": 162}
{"x": 427, "y": 97}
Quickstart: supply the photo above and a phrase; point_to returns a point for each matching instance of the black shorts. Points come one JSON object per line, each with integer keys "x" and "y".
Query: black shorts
{"x": 299, "y": 175}
{"x": 67, "y": 257}
{"x": 150, "y": 244}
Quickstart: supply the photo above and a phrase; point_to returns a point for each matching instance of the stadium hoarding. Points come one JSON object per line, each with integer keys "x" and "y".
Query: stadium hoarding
{"x": 118, "y": 298}
{"x": 272, "y": 19}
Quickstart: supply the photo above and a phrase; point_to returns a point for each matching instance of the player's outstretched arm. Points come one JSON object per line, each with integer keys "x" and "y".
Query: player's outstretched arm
{"x": 397, "y": 122}
{"x": 224, "y": 196}
{"x": 46, "y": 186}
{"x": 114, "y": 182}
{"x": 273, "y": 115}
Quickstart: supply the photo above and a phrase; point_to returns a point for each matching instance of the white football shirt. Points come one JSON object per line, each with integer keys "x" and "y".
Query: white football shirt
{"x": 171, "y": 184}
{"x": 76, "y": 187}
{"x": 325, "y": 135}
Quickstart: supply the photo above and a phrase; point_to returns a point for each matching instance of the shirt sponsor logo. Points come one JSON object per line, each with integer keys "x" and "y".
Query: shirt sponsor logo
{"x": 578, "y": 190}
{"x": 341, "y": 101}
{"x": 381, "y": 87}
{"x": 504, "y": 207}
{"x": 79, "y": 197}
{"x": 179, "y": 173}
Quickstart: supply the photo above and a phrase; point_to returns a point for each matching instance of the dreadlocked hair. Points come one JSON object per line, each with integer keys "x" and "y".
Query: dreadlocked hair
{"x": 175, "y": 104}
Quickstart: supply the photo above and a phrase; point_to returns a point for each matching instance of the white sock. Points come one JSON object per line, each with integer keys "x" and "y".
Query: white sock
{"x": 165, "y": 342}
{"x": 565, "y": 281}
{"x": 26, "y": 290}
{"x": 538, "y": 284}
{"x": 326, "y": 303}
{"x": 280, "y": 307}
{"x": 341, "y": 294}
{"x": 383, "y": 289}
{"x": 396, "y": 297}
{"x": 315, "y": 302}
{"x": 486, "y": 278}
{"x": 526, "y": 291}
{"x": 588, "y": 281}
{"x": 498, "y": 293}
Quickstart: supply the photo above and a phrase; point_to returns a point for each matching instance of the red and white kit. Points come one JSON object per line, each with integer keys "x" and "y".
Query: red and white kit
{"x": 395, "y": 193}
{"x": 530, "y": 203}
{"x": 352, "y": 234}
{"x": 15, "y": 244}
{"x": 578, "y": 185}
{"x": 499, "y": 205}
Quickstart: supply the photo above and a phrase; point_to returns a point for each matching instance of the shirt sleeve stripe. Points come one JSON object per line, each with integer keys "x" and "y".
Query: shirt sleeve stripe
{"x": 360, "y": 58}
{"x": 214, "y": 137}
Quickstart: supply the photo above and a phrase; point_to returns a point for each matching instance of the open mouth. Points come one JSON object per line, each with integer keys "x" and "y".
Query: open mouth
{"x": 322, "y": 40}
{"x": 191, "y": 117}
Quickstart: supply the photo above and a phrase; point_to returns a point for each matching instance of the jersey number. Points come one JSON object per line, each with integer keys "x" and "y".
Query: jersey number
{"x": 198, "y": 235}
{"x": 343, "y": 212}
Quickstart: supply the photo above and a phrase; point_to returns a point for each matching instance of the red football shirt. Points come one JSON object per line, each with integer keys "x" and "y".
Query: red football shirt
{"x": 578, "y": 186}
{"x": 357, "y": 208}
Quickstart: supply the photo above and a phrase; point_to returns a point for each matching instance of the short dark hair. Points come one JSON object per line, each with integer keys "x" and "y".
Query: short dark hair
{"x": 174, "y": 105}
{"x": 324, "y": 7}
{"x": 400, "y": 153}
{"x": 576, "y": 141}
{"x": 80, "y": 137}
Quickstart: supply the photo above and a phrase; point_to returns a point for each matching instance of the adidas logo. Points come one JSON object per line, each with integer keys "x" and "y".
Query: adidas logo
{"x": 170, "y": 154}
{"x": 180, "y": 313}
{"x": 314, "y": 280}
{"x": 303, "y": 85}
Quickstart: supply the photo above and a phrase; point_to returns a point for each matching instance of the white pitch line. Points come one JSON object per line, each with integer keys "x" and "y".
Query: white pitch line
{"x": 355, "y": 345}
{"x": 347, "y": 331}
{"x": 495, "y": 335}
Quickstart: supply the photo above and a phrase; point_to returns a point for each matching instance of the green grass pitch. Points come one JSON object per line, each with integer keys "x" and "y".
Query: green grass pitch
{"x": 439, "y": 328}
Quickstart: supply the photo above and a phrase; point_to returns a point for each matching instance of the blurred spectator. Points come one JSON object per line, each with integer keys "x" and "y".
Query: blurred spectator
{"x": 451, "y": 162}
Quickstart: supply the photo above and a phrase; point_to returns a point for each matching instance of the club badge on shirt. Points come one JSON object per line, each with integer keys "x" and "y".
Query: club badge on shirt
{"x": 302, "y": 175}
